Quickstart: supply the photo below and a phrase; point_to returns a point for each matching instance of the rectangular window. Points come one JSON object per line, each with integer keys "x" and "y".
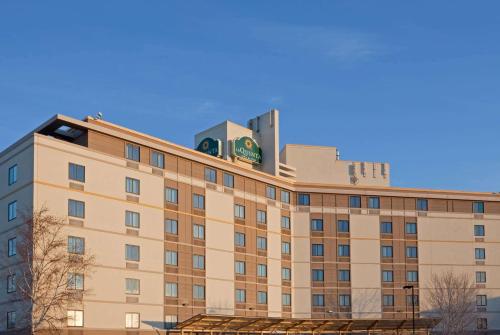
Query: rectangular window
{"x": 198, "y": 231}
{"x": 412, "y": 276}
{"x": 199, "y": 292}
{"x": 261, "y": 297}
{"x": 75, "y": 281}
{"x": 318, "y": 300}
{"x": 481, "y": 300}
{"x": 286, "y": 274}
{"x": 199, "y": 262}
{"x": 344, "y": 275}
{"x": 76, "y": 208}
{"x": 387, "y": 276}
{"x": 355, "y": 201}
{"x": 76, "y": 245}
{"x": 171, "y": 226}
{"x": 198, "y": 201}
{"x": 11, "y": 283}
{"x": 388, "y": 300}
{"x": 12, "y": 211}
{"x": 344, "y": 300}
{"x": 286, "y": 299}
{"x": 480, "y": 277}
{"x": 171, "y": 258}
{"x": 239, "y": 267}
{"x": 285, "y": 248}
{"x": 271, "y": 192}
{"x": 171, "y": 195}
{"x": 132, "y": 286}
{"x": 386, "y": 228}
{"x": 170, "y": 321}
{"x": 344, "y": 250}
{"x": 239, "y": 211}
{"x": 13, "y": 174}
{"x": 75, "y": 318}
{"x": 261, "y": 217}
{"x": 132, "y": 219}
{"x": 482, "y": 323}
{"x": 374, "y": 202}
{"x": 240, "y": 295}
{"x": 285, "y": 197}
{"x": 303, "y": 199}
{"x": 285, "y": 222}
{"x": 228, "y": 180}
{"x": 171, "y": 290}
{"x": 210, "y": 175}
{"x": 317, "y": 225}
{"x": 157, "y": 159}
{"x": 132, "y": 320}
{"x": 261, "y": 270}
{"x": 411, "y": 227}
{"x": 480, "y": 253}
{"x": 132, "y": 252}
{"x": 11, "y": 247}
{"x": 239, "y": 239}
{"x": 261, "y": 243}
{"x": 76, "y": 172}
{"x": 342, "y": 226}
{"x": 317, "y": 250}
{"x": 318, "y": 275}
{"x": 132, "y": 185}
{"x": 386, "y": 251}
{"x": 11, "y": 320}
{"x": 478, "y": 207}
{"x": 132, "y": 152}
{"x": 411, "y": 252}
{"x": 422, "y": 205}
{"x": 479, "y": 230}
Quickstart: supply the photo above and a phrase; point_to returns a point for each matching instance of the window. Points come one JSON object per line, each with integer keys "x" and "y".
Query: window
{"x": 132, "y": 320}
{"x": 77, "y": 172}
{"x": 411, "y": 252}
{"x": 478, "y": 207}
{"x": 355, "y": 201}
{"x": 199, "y": 231}
{"x": 239, "y": 211}
{"x": 285, "y": 248}
{"x": 388, "y": 300}
{"x": 482, "y": 323}
{"x": 240, "y": 295}
{"x": 132, "y": 252}
{"x": 261, "y": 243}
{"x": 171, "y": 195}
{"x": 13, "y": 174}
{"x": 303, "y": 199}
{"x": 239, "y": 239}
{"x": 132, "y": 152}
{"x": 318, "y": 275}
{"x": 387, "y": 276}
{"x": 480, "y": 253}
{"x": 261, "y": 217}
{"x": 198, "y": 292}
{"x": 198, "y": 201}
{"x": 11, "y": 320}
{"x": 198, "y": 262}
{"x": 170, "y": 321}
{"x": 478, "y": 230}
{"x": 412, "y": 276}
{"x": 422, "y": 205}
{"x": 228, "y": 180}
{"x": 481, "y": 300}
{"x": 344, "y": 300}
{"x": 344, "y": 275}
{"x": 171, "y": 290}
{"x": 411, "y": 227}
{"x": 171, "y": 226}
{"x": 386, "y": 251}
{"x": 11, "y": 247}
{"x": 261, "y": 270}
{"x": 132, "y": 286}
{"x": 374, "y": 202}
{"x": 261, "y": 297}
{"x": 286, "y": 274}
{"x": 132, "y": 185}
{"x": 239, "y": 267}
{"x": 343, "y": 226}
{"x": 285, "y": 222}
{"x": 75, "y": 281}
{"x": 271, "y": 192}
{"x": 76, "y": 245}
{"x": 286, "y": 299}
{"x": 480, "y": 277}
{"x": 210, "y": 175}
{"x": 11, "y": 283}
{"x": 171, "y": 258}
{"x": 386, "y": 228}
{"x": 157, "y": 159}
{"x": 409, "y": 300}
{"x": 132, "y": 219}
{"x": 344, "y": 250}
{"x": 75, "y": 318}
{"x": 317, "y": 250}
{"x": 285, "y": 197}
{"x": 12, "y": 211}
{"x": 317, "y": 225}
{"x": 318, "y": 300}
{"x": 76, "y": 208}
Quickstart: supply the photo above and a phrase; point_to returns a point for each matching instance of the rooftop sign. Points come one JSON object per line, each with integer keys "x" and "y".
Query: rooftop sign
{"x": 210, "y": 146}
{"x": 246, "y": 149}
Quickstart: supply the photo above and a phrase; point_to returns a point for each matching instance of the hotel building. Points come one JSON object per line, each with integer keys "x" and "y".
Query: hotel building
{"x": 239, "y": 226}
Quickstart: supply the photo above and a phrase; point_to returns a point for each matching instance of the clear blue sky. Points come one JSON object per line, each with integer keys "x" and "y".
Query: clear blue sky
{"x": 416, "y": 84}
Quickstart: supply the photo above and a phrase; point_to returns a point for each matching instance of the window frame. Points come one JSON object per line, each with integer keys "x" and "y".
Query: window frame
{"x": 199, "y": 262}
{"x": 354, "y": 201}
{"x": 239, "y": 211}
{"x": 155, "y": 160}
{"x": 317, "y": 225}
{"x": 73, "y": 245}
{"x": 133, "y": 291}
{"x": 383, "y": 227}
{"x": 317, "y": 249}
{"x": 131, "y": 318}
{"x": 78, "y": 206}
{"x": 132, "y": 186}
{"x": 171, "y": 195}
{"x": 12, "y": 247}
{"x": 210, "y": 175}
{"x": 411, "y": 231}
{"x": 76, "y": 172}
{"x": 130, "y": 219}
{"x": 198, "y": 201}
{"x": 131, "y": 150}
{"x": 171, "y": 255}
{"x": 228, "y": 180}
{"x": 196, "y": 290}
{"x": 132, "y": 247}
{"x": 75, "y": 318}
{"x": 374, "y": 202}
{"x": 285, "y": 196}
{"x": 169, "y": 224}
{"x": 197, "y": 228}
{"x": 12, "y": 175}
{"x": 342, "y": 248}
{"x": 240, "y": 268}
{"x": 304, "y": 199}
{"x": 422, "y": 204}
{"x": 12, "y": 211}
{"x": 261, "y": 241}
{"x": 271, "y": 192}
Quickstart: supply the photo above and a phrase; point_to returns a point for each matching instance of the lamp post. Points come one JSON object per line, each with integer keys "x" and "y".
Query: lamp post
{"x": 406, "y": 287}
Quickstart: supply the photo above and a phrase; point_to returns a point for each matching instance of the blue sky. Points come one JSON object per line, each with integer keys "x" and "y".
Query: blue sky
{"x": 416, "y": 84}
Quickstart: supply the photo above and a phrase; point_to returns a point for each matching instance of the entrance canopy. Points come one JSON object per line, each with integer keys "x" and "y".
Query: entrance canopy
{"x": 238, "y": 324}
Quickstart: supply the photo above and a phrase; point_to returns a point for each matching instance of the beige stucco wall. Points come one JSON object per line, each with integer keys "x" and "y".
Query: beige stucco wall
{"x": 301, "y": 265}
{"x": 274, "y": 261}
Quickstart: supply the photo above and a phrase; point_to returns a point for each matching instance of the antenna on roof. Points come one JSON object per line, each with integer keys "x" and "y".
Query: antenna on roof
{"x": 99, "y": 116}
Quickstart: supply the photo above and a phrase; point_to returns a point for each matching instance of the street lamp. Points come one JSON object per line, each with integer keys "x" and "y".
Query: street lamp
{"x": 406, "y": 287}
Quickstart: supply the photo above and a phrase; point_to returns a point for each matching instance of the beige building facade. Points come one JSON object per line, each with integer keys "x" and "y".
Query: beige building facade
{"x": 238, "y": 227}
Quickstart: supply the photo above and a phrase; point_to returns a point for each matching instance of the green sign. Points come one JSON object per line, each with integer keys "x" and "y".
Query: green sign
{"x": 210, "y": 146}
{"x": 247, "y": 150}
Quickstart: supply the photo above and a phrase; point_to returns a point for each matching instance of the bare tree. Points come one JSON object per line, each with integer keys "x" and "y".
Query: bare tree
{"x": 48, "y": 275}
{"x": 452, "y": 297}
